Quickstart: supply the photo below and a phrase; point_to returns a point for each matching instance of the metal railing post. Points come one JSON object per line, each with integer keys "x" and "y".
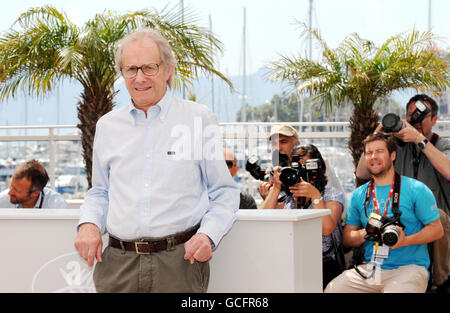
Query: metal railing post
{"x": 52, "y": 157}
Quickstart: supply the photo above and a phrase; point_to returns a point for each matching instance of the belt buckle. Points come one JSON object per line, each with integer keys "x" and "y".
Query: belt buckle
{"x": 140, "y": 243}
{"x": 170, "y": 243}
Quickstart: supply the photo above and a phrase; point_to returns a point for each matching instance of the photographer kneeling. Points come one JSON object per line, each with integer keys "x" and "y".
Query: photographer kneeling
{"x": 305, "y": 183}
{"x": 397, "y": 225}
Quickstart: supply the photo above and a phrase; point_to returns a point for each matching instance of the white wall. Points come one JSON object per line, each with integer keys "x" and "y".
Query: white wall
{"x": 265, "y": 251}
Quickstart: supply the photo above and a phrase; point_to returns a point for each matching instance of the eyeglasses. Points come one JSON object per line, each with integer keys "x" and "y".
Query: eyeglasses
{"x": 131, "y": 71}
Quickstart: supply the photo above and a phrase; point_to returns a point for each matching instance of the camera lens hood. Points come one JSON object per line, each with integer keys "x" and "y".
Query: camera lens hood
{"x": 391, "y": 123}
{"x": 289, "y": 176}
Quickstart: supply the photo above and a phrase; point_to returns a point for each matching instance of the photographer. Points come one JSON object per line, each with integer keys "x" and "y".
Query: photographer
{"x": 315, "y": 195}
{"x": 27, "y": 189}
{"x": 282, "y": 138}
{"x": 408, "y": 215}
{"x": 424, "y": 152}
{"x": 423, "y": 155}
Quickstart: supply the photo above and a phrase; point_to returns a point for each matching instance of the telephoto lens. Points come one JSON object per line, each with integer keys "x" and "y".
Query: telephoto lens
{"x": 391, "y": 123}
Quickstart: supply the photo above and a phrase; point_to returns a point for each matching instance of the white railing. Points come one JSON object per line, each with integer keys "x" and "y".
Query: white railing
{"x": 51, "y": 137}
{"x": 246, "y": 138}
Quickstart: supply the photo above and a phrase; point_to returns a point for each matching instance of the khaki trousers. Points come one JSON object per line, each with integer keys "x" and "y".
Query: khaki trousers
{"x": 164, "y": 271}
{"x": 404, "y": 279}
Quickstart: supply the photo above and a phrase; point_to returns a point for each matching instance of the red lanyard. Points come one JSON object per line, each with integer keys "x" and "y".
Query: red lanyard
{"x": 375, "y": 202}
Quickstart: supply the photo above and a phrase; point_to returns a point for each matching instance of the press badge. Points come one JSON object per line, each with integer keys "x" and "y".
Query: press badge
{"x": 381, "y": 253}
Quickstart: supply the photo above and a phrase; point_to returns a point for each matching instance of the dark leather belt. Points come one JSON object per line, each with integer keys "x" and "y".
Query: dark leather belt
{"x": 147, "y": 246}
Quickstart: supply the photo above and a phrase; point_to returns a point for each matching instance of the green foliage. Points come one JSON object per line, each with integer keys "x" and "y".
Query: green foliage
{"x": 43, "y": 46}
{"x": 288, "y": 106}
{"x": 360, "y": 72}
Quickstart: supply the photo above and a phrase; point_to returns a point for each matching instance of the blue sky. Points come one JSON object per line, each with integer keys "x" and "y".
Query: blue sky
{"x": 271, "y": 30}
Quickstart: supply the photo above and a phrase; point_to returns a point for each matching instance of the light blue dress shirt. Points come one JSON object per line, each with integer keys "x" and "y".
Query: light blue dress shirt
{"x": 51, "y": 200}
{"x": 161, "y": 174}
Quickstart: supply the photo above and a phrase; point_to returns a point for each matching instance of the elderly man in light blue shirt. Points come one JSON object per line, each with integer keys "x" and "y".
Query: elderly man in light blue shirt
{"x": 159, "y": 180}
{"x": 27, "y": 189}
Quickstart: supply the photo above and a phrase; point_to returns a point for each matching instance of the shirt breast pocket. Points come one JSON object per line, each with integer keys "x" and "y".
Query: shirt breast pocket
{"x": 179, "y": 174}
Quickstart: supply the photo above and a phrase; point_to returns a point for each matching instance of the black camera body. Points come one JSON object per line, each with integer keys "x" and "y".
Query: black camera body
{"x": 383, "y": 230}
{"x": 419, "y": 113}
{"x": 257, "y": 172}
{"x": 255, "y": 169}
{"x": 392, "y": 123}
{"x": 309, "y": 172}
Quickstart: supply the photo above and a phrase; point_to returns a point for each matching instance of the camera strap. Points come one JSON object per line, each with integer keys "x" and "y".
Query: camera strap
{"x": 376, "y": 265}
{"x": 417, "y": 155}
{"x": 394, "y": 193}
{"x": 434, "y": 139}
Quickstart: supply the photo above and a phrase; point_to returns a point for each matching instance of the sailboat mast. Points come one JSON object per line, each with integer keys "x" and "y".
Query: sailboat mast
{"x": 212, "y": 76}
{"x": 244, "y": 74}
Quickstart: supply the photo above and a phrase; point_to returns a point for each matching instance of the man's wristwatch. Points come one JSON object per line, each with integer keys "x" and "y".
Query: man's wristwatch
{"x": 317, "y": 201}
{"x": 421, "y": 144}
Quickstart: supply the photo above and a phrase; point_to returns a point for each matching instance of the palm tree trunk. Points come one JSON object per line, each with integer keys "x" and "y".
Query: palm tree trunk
{"x": 362, "y": 124}
{"x": 96, "y": 100}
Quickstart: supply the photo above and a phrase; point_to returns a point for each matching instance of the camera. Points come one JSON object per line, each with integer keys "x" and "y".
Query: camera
{"x": 278, "y": 159}
{"x": 383, "y": 230}
{"x": 392, "y": 123}
{"x": 419, "y": 113}
{"x": 311, "y": 172}
{"x": 255, "y": 169}
{"x": 257, "y": 172}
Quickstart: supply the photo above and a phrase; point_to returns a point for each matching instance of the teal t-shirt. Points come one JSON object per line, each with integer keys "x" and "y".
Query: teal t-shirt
{"x": 418, "y": 208}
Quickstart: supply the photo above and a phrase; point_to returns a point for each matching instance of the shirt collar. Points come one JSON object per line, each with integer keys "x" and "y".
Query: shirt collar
{"x": 163, "y": 105}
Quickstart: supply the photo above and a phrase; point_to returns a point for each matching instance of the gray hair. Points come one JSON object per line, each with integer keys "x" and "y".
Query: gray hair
{"x": 165, "y": 50}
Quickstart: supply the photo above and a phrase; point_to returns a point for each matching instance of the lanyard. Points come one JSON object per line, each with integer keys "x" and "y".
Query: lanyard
{"x": 395, "y": 190}
{"x": 375, "y": 202}
{"x": 42, "y": 200}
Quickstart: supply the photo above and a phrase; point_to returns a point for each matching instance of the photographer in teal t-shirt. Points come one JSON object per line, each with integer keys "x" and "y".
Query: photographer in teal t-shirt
{"x": 396, "y": 255}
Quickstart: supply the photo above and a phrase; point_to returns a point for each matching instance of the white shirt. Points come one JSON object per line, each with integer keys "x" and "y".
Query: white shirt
{"x": 160, "y": 175}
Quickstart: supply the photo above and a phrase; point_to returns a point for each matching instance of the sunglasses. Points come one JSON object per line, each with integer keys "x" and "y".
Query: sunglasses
{"x": 229, "y": 163}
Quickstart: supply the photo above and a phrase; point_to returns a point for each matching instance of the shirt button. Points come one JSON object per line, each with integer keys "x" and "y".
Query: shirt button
{"x": 146, "y": 185}
{"x": 147, "y": 156}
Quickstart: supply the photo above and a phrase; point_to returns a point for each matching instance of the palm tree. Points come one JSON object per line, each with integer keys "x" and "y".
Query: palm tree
{"x": 359, "y": 72}
{"x": 43, "y": 47}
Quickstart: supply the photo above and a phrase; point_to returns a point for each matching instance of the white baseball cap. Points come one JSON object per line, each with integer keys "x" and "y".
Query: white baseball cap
{"x": 286, "y": 130}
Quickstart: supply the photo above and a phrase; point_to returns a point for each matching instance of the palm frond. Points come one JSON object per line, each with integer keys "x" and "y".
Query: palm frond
{"x": 360, "y": 72}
